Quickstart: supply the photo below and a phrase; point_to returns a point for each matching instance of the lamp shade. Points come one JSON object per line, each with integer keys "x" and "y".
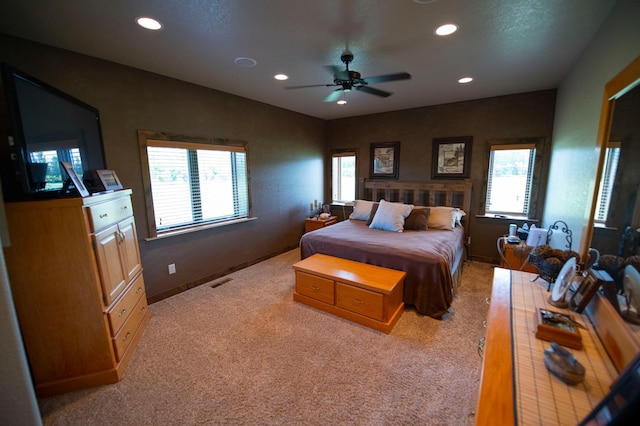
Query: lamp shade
{"x": 537, "y": 236}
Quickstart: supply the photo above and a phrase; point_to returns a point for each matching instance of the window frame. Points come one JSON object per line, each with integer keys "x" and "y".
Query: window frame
{"x": 152, "y": 138}
{"x": 535, "y": 196}
{"x": 347, "y": 152}
{"x": 612, "y": 180}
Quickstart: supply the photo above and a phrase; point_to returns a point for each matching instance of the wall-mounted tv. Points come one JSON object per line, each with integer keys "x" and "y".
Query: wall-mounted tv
{"x": 41, "y": 127}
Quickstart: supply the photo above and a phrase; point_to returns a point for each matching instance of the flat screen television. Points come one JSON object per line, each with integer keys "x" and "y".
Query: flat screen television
{"x": 43, "y": 126}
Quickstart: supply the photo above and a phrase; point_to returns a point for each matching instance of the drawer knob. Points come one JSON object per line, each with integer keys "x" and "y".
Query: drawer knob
{"x": 481, "y": 347}
{"x": 103, "y": 215}
{"x": 126, "y": 336}
{"x": 313, "y": 287}
{"x": 488, "y": 300}
{"x": 138, "y": 290}
{"x": 122, "y": 312}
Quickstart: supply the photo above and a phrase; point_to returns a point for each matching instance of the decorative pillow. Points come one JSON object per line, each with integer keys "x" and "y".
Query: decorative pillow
{"x": 441, "y": 218}
{"x": 361, "y": 210}
{"x": 391, "y": 216}
{"x": 417, "y": 219}
{"x": 374, "y": 209}
{"x": 458, "y": 214}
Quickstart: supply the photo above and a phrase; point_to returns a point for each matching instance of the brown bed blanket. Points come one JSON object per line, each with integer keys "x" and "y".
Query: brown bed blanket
{"x": 428, "y": 258}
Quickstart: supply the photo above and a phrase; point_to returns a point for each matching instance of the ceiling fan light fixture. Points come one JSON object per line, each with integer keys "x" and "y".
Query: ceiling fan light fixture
{"x": 446, "y": 29}
{"x": 148, "y": 23}
{"x": 343, "y": 100}
{"x": 281, "y": 77}
{"x": 465, "y": 80}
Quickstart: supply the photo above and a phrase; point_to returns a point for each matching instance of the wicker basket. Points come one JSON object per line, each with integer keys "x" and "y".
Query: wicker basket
{"x": 548, "y": 271}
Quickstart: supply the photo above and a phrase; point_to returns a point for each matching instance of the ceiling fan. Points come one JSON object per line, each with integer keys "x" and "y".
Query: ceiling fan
{"x": 351, "y": 80}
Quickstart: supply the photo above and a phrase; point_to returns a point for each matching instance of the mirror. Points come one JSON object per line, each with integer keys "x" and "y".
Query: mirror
{"x": 619, "y": 124}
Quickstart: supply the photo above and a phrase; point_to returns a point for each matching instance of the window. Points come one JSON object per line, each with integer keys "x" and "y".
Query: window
{"x": 343, "y": 176}
{"x": 194, "y": 183}
{"x": 509, "y": 179}
{"x": 605, "y": 192}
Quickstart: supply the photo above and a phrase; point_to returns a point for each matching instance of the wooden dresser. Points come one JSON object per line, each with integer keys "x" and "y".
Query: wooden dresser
{"x": 76, "y": 279}
{"x": 515, "y": 385}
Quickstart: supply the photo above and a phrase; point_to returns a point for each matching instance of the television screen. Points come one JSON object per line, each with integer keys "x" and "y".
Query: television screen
{"x": 46, "y": 126}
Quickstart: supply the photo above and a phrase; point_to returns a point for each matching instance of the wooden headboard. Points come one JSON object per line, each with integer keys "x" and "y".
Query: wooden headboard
{"x": 453, "y": 194}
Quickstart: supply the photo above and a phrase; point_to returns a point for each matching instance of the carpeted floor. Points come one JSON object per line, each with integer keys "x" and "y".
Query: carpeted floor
{"x": 245, "y": 353}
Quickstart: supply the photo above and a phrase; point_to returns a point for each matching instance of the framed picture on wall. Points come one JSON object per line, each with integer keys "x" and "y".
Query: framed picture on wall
{"x": 385, "y": 158}
{"x": 74, "y": 178}
{"x": 451, "y": 157}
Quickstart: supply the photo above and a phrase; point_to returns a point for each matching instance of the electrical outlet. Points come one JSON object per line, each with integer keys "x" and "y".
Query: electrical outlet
{"x": 172, "y": 268}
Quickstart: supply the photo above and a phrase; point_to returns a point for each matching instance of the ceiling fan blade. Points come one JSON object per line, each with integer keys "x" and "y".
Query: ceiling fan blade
{"x": 333, "y": 96}
{"x": 310, "y": 85}
{"x": 337, "y": 72}
{"x": 387, "y": 77}
{"x": 372, "y": 91}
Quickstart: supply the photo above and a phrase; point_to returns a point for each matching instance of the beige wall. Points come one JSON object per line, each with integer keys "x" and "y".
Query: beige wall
{"x": 286, "y": 152}
{"x": 505, "y": 117}
{"x": 574, "y": 158}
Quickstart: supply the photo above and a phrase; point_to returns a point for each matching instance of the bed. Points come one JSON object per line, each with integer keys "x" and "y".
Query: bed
{"x": 432, "y": 258}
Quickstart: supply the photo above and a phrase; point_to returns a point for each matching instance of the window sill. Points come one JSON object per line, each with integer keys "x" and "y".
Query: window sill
{"x": 506, "y": 217}
{"x": 199, "y": 228}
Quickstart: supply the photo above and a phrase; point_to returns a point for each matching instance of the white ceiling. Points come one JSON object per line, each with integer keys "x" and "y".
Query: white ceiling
{"x": 507, "y": 46}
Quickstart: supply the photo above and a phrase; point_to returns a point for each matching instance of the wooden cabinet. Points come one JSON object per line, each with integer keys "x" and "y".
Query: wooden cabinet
{"x": 77, "y": 284}
{"x": 367, "y": 294}
{"x": 313, "y": 224}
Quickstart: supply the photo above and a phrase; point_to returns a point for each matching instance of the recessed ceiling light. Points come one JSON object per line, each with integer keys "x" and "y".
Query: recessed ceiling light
{"x": 446, "y": 29}
{"x": 281, "y": 77}
{"x": 464, "y": 80}
{"x": 148, "y": 23}
{"x": 245, "y": 62}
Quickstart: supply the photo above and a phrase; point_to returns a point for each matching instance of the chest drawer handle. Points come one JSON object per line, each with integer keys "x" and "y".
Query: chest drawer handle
{"x": 313, "y": 287}
{"x": 138, "y": 290}
{"x": 126, "y": 336}
{"x": 122, "y": 312}
{"x": 103, "y": 215}
{"x": 358, "y": 302}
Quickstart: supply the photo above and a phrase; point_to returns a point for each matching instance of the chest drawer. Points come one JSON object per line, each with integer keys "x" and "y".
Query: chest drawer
{"x": 127, "y": 332}
{"x": 360, "y": 301}
{"x": 119, "y": 313}
{"x": 110, "y": 212}
{"x": 316, "y": 287}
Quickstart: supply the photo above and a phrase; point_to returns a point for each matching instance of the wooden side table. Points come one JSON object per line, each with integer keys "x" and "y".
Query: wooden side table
{"x": 516, "y": 255}
{"x": 313, "y": 223}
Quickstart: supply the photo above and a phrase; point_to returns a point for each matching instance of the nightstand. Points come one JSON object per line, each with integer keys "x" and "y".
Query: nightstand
{"x": 516, "y": 254}
{"x": 313, "y": 224}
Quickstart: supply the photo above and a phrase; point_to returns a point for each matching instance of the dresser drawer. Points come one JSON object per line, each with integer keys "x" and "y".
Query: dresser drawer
{"x": 360, "y": 301}
{"x": 110, "y": 212}
{"x": 315, "y": 287}
{"x": 127, "y": 332}
{"x": 123, "y": 308}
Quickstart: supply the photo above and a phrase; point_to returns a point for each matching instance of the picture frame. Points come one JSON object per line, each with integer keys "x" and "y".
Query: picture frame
{"x": 109, "y": 179}
{"x": 75, "y": 179}
{"x": 385, "y": 159}
{"x": 587, "y": 289}
{"x": 451, "y": 157}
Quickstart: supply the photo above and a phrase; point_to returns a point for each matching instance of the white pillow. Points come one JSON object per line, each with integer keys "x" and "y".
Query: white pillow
{"x": 391, "y": 216}
{"x": 458, "y": 214}
{"x": 361, "y": 210}
{"x": 442, "y": 218}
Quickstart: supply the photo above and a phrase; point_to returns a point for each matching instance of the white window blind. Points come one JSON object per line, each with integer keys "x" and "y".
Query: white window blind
{"x": 605, "y": 191}
{"x": 343, "y": 176}
{"x": 509, "y": 179}
{"x": 196, "y": 183}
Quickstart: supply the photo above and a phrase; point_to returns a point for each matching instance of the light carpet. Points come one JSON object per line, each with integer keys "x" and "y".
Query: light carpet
{"x": 245, "y": 353}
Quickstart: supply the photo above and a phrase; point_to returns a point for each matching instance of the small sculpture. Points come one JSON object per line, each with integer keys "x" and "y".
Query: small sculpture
{"x": 562, "y": 364}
